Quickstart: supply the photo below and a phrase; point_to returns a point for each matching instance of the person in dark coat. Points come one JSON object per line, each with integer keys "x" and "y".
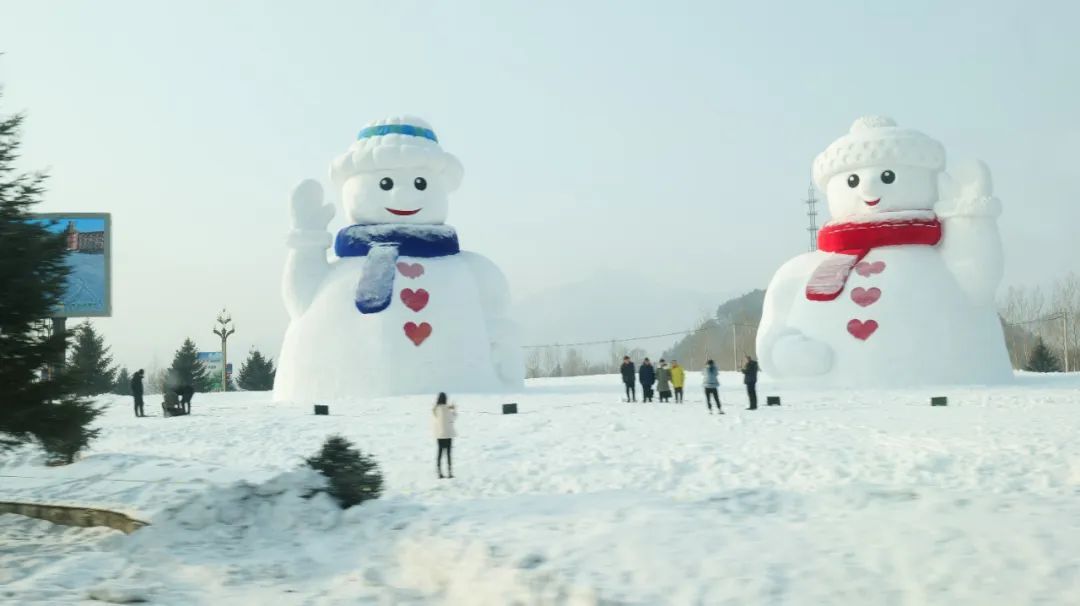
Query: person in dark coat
{"x": 749, "y": 371}
{"x": 628, "y": 378}
{"x": 647, "y": 374}
{"x": 186, "y": 392}
{"x": 137, "y": 391}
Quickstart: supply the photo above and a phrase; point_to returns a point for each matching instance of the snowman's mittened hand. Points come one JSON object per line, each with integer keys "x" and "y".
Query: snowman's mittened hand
{"x": 973, "y": 179}
{"x": 968, "y": 206}
{"x": 309, "y": 213}
{"x": 798, "y": 356}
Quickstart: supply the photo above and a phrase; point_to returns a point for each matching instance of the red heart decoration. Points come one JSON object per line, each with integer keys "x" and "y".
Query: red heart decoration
{"x": 414, "y": 300}
{"x": 862, "y": 330}
{"x": 417, "y": 334}
{"x": 865, "y": 269}
{"x": 863, "y": 297}
{"x": 410, "y": 270}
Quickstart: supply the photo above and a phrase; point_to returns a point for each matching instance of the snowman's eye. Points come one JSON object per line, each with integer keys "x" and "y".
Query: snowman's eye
{"x": 420, "y": 183}
{"x": 386, "y": 183}
{"x": 853, "y": 181}
{"x": 888, "y": 177}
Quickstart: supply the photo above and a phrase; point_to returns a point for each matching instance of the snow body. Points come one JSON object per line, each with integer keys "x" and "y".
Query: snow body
{"x": 447, "y": 326}
{"x": 908, "y": 314}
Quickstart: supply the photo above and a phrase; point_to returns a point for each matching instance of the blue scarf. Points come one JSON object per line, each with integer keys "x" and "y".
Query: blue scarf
{"x": 382, "y": 245}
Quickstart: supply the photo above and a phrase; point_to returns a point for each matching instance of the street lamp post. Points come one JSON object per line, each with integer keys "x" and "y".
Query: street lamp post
{"x": 224, "y": 331}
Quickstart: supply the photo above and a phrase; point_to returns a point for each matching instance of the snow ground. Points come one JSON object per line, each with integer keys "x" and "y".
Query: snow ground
{"x": 837, "y": 497}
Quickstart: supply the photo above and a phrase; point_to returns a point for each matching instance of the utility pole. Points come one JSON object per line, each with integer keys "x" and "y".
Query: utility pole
{"x": 811, "y": 212}
{"x": 734, "y": 347}
{"x": 1065, "y": 338}
{"x": 224, "y": 331}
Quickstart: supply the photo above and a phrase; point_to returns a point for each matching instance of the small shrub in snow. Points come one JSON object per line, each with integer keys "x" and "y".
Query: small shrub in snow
{"x": 352, "y": 476}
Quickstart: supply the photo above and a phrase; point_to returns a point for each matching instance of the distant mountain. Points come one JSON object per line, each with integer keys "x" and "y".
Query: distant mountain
{"x": 718, "y": 339}
{"x": 612, "y": 305}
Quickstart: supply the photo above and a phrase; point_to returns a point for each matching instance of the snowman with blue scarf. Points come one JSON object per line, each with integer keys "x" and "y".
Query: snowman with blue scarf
{"x": 401, "y": 309}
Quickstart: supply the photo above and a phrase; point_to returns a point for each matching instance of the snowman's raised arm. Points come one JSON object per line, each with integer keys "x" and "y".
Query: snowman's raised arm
{"x": 971, "y": 243}
{"x": 306, "y": 264}
{"x": 502, "y": 330}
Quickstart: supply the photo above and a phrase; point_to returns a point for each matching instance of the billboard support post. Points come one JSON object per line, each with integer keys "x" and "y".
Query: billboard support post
{"x": 59, "y": 331}
{"x": 224, "y": 331}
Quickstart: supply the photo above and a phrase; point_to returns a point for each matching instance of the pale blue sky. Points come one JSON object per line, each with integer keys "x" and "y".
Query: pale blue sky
{"x": 673, "y": 139}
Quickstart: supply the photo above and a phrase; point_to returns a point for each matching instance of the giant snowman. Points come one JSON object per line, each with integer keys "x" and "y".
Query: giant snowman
{"x": 401, "y": 309}
{"x": 901, "y": 291}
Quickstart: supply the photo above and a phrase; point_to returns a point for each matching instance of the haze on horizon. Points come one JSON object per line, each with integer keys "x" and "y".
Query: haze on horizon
{"x": 671, "y": 142}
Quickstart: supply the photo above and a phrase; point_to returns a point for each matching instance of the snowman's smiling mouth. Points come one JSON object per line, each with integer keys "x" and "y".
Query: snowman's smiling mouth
{"x": 872, "y": 202}
{"x": 403, "y": 213}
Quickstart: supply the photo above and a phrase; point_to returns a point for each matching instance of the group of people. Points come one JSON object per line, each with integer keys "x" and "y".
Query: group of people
{"x": 177, "y": 398}
{"x": 666, "y": 379}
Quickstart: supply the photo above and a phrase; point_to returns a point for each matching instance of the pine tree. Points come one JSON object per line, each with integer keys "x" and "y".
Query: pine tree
{"x": 1042, "y": 359}
{"x": 122, "y": 386}
{"x": 353, "y": 476}
{"x": 257, "y": 372}
{"x": 90, "y": 365}
{"x": 186, "y": 369}
{"x": 35, "y": 404}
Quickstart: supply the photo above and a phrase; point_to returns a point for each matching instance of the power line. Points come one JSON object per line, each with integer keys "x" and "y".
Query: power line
{"x": 1054, "y": 316}
{"x": 628, "y": 339}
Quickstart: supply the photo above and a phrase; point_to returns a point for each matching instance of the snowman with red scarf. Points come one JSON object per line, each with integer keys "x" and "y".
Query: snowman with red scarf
{"x": 902, "y": 289}
{"x": 401, "y": 309}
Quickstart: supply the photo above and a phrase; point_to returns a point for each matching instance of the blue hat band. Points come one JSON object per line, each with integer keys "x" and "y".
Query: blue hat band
{"x": 397, "y": 129}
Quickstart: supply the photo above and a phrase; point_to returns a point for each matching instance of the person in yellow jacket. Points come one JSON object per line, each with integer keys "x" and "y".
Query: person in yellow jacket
{"x": 678, "y": 380}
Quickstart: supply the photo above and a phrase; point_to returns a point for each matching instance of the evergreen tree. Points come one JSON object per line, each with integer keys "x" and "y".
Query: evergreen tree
{"x": 35, "y": 402}
{"x": 257, "y": 372}
{"x": 353, "y": 476}
{"x": 90, "y": 365}
{"x": 1042, "y": 359}
{"x": 186, "y": 369}
{"x": 122, "y": 387}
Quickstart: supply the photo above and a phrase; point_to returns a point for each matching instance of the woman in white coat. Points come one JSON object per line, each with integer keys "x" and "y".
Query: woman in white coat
{"x": 442, "y": 422}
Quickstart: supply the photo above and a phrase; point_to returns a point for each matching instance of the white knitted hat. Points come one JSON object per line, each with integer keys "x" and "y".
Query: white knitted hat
{"x": 397, "y": 142}
{"x": 877, "y": 141}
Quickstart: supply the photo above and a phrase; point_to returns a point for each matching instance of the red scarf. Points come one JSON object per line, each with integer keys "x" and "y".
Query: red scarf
{"x": 851, "y": 241}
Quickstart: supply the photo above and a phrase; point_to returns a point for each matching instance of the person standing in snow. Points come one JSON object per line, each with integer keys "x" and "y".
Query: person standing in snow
{"x": 628, "y": 378}
{"x": 678, "y": 380}
{"x": 186, "y": 393}
{"x": 442, "y": 423}
{"x": 663, "y": 381}
{"x": 137, "y": 391}
{"x": 647, "y": 374}
{"x": 750, "y": 370}
{"x": 711, "y": 381}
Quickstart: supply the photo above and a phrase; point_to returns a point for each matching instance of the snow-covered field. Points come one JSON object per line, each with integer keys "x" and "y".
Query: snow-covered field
{"x": 837, "y": 497}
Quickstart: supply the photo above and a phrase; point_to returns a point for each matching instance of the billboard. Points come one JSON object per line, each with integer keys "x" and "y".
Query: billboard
{"x": 88, "y": 237}
{"x": 211, "y": 360}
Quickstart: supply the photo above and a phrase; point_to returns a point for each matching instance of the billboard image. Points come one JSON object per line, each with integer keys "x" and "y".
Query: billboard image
{"x": 88, "y": 239}
{"x": 211, "y": 360}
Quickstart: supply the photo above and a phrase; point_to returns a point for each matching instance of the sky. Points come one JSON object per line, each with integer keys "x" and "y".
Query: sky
{"x": 672, "y": 141}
